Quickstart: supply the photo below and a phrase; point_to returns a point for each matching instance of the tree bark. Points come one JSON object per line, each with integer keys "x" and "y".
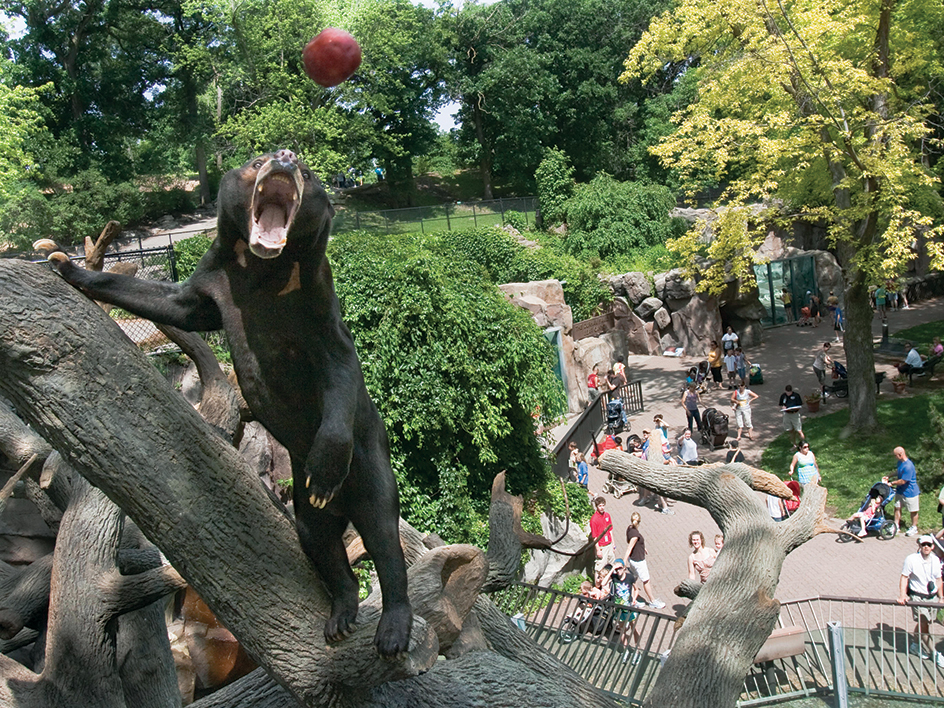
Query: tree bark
{"x": 97, "y": 400}
{"x": 735, "y": 610}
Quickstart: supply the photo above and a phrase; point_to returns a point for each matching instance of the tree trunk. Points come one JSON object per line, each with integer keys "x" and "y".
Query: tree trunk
{"x": 860, "y": 358}
{"x": 95, "y": 398}
{"x": 485, "y": 161}
{"x": 735, "y": 610}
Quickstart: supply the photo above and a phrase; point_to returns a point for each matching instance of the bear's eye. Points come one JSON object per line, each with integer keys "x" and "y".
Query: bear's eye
{"x": 257, "y": 164}
{"x": 306, "y": 174}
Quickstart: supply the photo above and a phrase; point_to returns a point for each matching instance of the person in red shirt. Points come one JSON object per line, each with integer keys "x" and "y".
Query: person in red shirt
{"x": 609, "y": 443}
{"x": 598, "y": 522}
{"x": 593, "y": 381}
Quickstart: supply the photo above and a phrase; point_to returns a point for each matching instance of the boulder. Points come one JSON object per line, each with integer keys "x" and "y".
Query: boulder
{"x": 662, "y": 318}
{"x": 653, "y": 339}
{"x": 546, "y": 568}
{"x": 637, "y": 341}
{"x": 667, "y": 341}
{"x": 696, "y": 324}
{"x": 648, "y": 306}
{"x": 675, "y": 286}
{"x": 636, "y": 286}
{"x": 544, "y": 299}
{"x": 601, "y": 350}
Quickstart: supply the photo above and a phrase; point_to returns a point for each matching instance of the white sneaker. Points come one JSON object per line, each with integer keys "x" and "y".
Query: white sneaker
{"x": 917, "y": 651}
{"x": 912, "y": 531}
{"x": 658, "y": 604}
{"x": 626, "y": 656}
{"x": 939, "y": 659}
{"x": 637, "y": 656}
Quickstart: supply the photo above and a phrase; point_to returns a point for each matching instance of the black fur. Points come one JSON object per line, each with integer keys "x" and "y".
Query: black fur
{"x": 266, "y": 281}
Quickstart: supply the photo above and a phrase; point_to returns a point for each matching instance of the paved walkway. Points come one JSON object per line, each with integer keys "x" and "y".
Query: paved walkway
{"x": 821, "y": 566}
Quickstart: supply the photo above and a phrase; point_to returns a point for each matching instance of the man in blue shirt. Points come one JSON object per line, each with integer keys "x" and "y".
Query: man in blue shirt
{"x": 906, "y": 490}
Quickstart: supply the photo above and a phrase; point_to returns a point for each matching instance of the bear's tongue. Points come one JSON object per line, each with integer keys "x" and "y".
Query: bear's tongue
{"x": 270, "y": 228}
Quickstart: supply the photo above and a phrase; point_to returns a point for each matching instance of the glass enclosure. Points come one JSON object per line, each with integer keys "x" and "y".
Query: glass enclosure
{"x": 784, "y": 287}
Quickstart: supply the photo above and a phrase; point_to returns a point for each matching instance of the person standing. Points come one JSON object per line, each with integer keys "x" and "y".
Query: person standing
{"x": 636, "y": 553}
{"x": 921, "y": 582}
{"x": 602, "y": 525}
{"x": 815, "y": 309}
{"x": 619, "y": 368}
{"x": 715, "y": 362}
{"x": 787, "y": 300}
{"x": 690, "y": 401}
{"x": 583, "y": 471}
{"x": 880, "y": 294}
{"x": 804, "y": 463}
{"x": 730, "y": 340}
{"x": 701, "y": 558}
{"x": 742, "y": 364}
{"x": 820, "y": 362}
{"x": 790, "y": 405}
{"x": 741, "y": 401}
{"x": 839, "y": 323}
{"x": 906, "y": 490}
{"x": 593, "y": 382}
{"x": 730, "y": 363}
{"x": 623, "y": 591}
{"x": 688, "y": 449}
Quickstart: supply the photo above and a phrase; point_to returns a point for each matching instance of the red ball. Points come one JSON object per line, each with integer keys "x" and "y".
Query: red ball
{"x": 331, "y": 57}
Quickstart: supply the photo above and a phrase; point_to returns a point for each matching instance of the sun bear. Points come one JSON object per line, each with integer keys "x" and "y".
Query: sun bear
{"x": 266, "y": 281}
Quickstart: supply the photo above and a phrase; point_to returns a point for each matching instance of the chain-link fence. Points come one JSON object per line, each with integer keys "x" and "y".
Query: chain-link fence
{"x": 437, "y": 218}
{"x": 146, "y": 264}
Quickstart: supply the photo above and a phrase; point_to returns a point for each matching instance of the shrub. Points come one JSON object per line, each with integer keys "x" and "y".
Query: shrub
{"x": 555, "y": 183}
{"x": 188, "y": 253}
{"x": 608, "y": 219}
{"x": 455, "y": 370}
{"x": 516, "y": 220}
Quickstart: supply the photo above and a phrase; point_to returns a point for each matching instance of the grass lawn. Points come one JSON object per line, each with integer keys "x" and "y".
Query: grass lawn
{"x": 850, "y": 467}
{"x": 923, "y": 334}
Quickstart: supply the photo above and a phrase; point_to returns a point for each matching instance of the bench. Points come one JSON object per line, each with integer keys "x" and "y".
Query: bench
{"x": 926, "y": 369}
{"x": 783, "y": 643}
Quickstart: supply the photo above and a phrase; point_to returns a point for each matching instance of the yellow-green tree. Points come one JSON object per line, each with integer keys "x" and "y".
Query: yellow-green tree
{"x": 822, "y": 107}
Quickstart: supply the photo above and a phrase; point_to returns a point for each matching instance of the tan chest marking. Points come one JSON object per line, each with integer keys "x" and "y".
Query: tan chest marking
{"x": 240, "y": 249}
{"x": 294, "y": 282}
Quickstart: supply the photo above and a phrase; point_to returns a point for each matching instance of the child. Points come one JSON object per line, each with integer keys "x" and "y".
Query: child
{"x": 582, "y": 470}
{"x": 865, "y": 516}
{"x": 730, "y": 363}
{"x": 742, "y": 365}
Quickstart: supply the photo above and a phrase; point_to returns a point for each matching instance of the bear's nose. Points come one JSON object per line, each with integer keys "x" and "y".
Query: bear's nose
{"x": 286, "y": 157}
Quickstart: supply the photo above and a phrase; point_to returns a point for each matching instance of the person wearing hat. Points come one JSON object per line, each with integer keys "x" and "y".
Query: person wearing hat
{"x": 921, "y": 582}
{"x": 624, "y": 592}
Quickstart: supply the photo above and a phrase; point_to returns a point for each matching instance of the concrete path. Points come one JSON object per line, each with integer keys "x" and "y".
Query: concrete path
{"x": 820, "y": 567}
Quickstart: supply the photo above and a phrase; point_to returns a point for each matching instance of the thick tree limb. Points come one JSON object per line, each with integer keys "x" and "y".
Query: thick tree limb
{"x": 94, "y": 397}
{"x": 735, "y": 610}
{"x": 17, "y": 441}
{"x": 25, "y": 597}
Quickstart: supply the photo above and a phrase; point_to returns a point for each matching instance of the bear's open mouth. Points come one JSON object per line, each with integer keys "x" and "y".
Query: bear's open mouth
{"x": 275, "y": 200}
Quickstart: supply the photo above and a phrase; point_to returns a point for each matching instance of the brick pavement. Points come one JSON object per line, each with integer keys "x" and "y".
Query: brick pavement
{"x": 821, "y": 566}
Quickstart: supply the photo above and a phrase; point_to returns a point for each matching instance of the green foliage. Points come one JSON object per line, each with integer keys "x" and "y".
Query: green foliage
{"x": 456, "y": 371}
{"x": 507, "y": 261}
{"x": 607, "y": 218}
{"x": 555, "y": 184}
{"x": 516, "y": 220}
{"x": 188, "y": 253}
{"x": 922, "y": 335}
{"x": 850, "y": 465}
{"x": 930, "y": 451}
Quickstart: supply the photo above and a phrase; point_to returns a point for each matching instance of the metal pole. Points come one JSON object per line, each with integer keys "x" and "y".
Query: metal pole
{"x": 448, "y": 224}
{"x": 837, "y": 655}
{"x": 475, "y": 222}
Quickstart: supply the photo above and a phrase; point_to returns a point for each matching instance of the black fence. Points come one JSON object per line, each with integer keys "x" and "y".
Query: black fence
{"x": 437, "y": 218}
{"x": 589, "y": 424}
{"x": 151, "y": 264}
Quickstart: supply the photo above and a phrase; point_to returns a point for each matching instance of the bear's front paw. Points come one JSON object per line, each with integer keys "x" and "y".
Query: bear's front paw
{"x": 341, "y": 623}
{"x": 318, "y": 495}
{"x": 393, "y": 632}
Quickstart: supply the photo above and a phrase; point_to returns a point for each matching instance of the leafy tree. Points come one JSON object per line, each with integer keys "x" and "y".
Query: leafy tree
{"x": 457, "y": 371}
{"x": 822, "y": 105}
{"x": 555, "y": 184}
{"x": 608, "y": 219}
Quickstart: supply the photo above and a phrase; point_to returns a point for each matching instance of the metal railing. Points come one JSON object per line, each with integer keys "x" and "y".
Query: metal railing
{"x": 877, "y": 636}
{"x": 436, "y": 218}
{"x": 593, "y": 419}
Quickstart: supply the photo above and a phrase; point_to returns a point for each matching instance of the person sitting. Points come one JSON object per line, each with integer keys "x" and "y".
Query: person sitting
{"x": 937, "y": 349}
{"x": 865, "y": 516}
{"x": 912, "y": 361}
{"x": 688, "y": 449}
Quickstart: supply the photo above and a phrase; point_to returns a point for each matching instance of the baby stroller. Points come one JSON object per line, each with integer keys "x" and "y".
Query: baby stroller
{"x": 840, "y": 385}
{"x": 615, "y": 417}
{"x": 616, "y": 485}
{"x": 589, "y": 616}
{"x": 714, "y": 428}
{"x": 878, "y": 524}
